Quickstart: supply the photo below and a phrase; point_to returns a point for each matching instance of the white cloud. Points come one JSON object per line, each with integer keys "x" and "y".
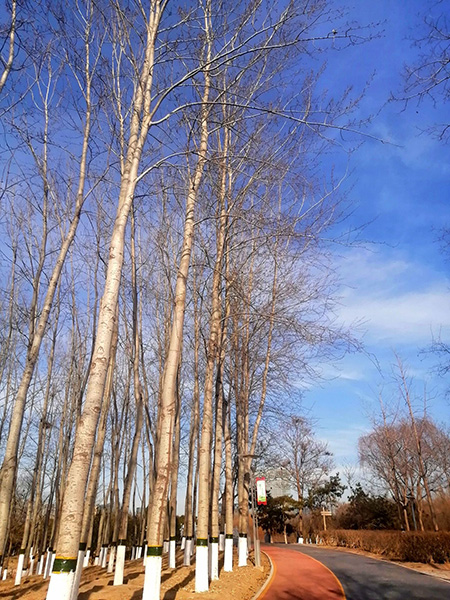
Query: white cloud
{"x": 330, "y": 371}
{"x": 406, "y": 317}
{"x": 398, "y": 301}
{"x": 343, "y": 442}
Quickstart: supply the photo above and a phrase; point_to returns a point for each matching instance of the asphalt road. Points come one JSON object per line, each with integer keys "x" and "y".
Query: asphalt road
{"x": 366, "y": 578}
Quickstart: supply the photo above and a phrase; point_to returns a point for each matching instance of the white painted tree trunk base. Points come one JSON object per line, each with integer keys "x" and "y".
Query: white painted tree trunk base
{"x": 77, "y": 578}
{"x": 221, "y": 542}
{"x": 166, "y": 547}
{"x": 31, "y": 567}
{"x": 120, "y": 565}
{"x": 19, "y": 570}
{"x": 5, "y": 574}
{"x": 214, "y": 550}
{"x": 187, "y": 552}
{"x": 152, "y": 580}
{"x": 201, "y": 569}
{"x": 228, "y": 558}
{"x": 133, "y": 552}
{"x": 145, "y": 555}
{"x": 209, "y": 559}
{"x": 40, "y": 568}
{"x": 104, "y": 562}
{"x": 60, "y": 586}
{"x": 112, "y": 556}
{"x": 183, "y": 543}
{"x": 172, "y": 551}
{"x": 242, "y": 552}
{"x": 86, "y": 558}
{"x": 48, "y": 562}
{"x": 96, "y": 561}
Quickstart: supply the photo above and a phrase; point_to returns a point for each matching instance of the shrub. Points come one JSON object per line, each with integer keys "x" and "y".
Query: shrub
{"x": 425, "y": 547}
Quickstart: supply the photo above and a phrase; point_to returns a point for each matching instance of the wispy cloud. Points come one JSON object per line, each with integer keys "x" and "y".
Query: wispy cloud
{"x": 343, "y": 442}
{"x": 330, "y": 371}
{"x": 398, "y": 301}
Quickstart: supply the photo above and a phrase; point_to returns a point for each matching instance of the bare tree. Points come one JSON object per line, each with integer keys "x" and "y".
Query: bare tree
{"x": 405, "y": 392}
{"x": 38, "y": 324}
{"x": 428, "y": 77}
{"x": 7, "y": 61}
{"x": 71, "y": 516}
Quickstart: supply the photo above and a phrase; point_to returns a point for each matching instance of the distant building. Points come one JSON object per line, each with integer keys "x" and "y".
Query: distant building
{"x": 278, "y": 482}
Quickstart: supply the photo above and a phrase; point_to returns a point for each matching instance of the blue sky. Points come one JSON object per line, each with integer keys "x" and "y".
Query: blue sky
{"x": 397, "y": 286}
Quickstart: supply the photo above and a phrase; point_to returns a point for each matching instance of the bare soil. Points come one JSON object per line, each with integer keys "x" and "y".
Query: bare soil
{"x": 176, "y": 584}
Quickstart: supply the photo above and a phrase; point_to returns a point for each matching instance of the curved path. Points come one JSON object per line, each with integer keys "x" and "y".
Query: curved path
{"x": 361, "y": 577}
{"x": 299, "y": 577}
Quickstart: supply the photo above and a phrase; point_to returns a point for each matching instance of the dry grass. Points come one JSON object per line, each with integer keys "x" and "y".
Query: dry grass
{"x": 421, "y": 547}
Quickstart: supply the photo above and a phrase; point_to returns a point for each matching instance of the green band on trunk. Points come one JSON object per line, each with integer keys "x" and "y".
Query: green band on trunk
{"x": 64, "y": 565}
{"x": 173, "y": 538}
{"x": 50, "y": 549}
{"x": 1, "y": 560}
{"x": 243, "y": 535}
{"x": 122, "y": 543}
{"x": 202, "y": 542}
{"x": 214, "y": 540}
{"x": 229, "y": 536}
{"x": 104, "y": 545}
{"x": 22, "y": 551}
{"x": 154, "y": 551}
{"x": 189, "y": 537}
{"x": 82, "y": 546}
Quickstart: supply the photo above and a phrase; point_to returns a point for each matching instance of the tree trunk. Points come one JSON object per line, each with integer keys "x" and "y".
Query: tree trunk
{"x": 193, "y": 437}
{"x": 168, "y": 396}
{"x": 72, "y": 508}
{"x": 174, "y": 485}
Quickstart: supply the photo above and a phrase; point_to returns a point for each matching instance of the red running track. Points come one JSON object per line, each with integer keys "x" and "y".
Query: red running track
{"x": 299, "y": 577}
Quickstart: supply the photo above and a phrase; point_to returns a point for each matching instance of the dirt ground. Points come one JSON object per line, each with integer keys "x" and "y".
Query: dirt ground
{"x": 178, "y": 584}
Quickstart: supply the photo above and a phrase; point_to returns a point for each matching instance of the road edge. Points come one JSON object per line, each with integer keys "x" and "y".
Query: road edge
{"x": 380, "y": 558}
{"x": 268, "y": 581}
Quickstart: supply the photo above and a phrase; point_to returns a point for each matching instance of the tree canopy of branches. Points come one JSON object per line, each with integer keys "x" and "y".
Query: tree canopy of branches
{"x": 428, "y": 78}
{"x": 165, "y": 267}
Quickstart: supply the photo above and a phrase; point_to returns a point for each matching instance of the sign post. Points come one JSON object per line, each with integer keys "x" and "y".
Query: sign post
{"x": 258, "y": 497}
{"x": 325, "y": 514}
{"x": 261, "y": 496}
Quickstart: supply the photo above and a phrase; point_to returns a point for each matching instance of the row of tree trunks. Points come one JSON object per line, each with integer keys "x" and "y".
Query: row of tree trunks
{"x": 38, "y": 326}
{"x": 227, "y": 173}
{"x": 169, "y": 389}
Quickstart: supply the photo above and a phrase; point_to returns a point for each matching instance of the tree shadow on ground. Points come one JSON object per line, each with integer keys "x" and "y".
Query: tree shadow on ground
{"x": 17, "y": 593}
{"x": 130, "y": 576}
{"x": 168, "y": 575}
{"x": 86, "y": 595}
{"x": 171, "y": 593}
